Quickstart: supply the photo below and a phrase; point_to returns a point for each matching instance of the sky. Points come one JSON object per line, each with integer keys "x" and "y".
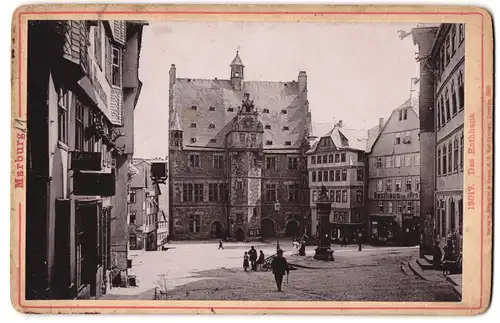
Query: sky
{"x": 357, "y": 72}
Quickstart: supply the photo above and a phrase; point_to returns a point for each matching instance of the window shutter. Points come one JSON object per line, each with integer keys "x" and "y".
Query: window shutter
{"x": 107, "y": 62}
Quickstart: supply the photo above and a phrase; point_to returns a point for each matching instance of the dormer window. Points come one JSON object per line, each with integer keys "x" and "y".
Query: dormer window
{"x": 286, "y": 128}
{"x": 194, "y": 107}
{"x": 193, "y": 140}
{"x": 193, "y": 125}
{"x": 269, "y": 142}
{"x": 268, "y": 126}
{"x": 283, "y": 111}
{"x": 211, "y": 109}
{"x": 288, "y": 143}
{"x": 230, "y": 109}
{"x": 212, "y": 141}
{"x": 266, "y": 110}
{"x": 211, "y": 125}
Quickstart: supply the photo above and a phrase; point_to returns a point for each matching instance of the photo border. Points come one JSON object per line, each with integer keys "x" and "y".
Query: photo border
{"x": 479, "y": 294}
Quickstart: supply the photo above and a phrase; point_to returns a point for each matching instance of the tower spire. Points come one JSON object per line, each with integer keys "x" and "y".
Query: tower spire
{"x": 237, "y": 68}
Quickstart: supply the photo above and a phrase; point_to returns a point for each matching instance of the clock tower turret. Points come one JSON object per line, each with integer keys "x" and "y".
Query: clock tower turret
{"x": 237, "y": 68}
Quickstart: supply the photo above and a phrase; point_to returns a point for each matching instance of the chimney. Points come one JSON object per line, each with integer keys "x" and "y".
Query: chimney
{"x": 380, "y": 123}
{"x": 173, "y": 74}
{"x": 302, "y": 81}
{"x": 340, "y": 124}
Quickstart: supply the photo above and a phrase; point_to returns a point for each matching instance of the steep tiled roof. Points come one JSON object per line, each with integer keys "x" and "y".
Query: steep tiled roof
{"x": 345, "y": 138}
{"x": 204, "y": 111}
{"x": 373, "y": 133}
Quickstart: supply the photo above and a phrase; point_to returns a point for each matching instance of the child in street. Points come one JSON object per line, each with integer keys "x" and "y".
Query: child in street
{"x": 246, "y": 264}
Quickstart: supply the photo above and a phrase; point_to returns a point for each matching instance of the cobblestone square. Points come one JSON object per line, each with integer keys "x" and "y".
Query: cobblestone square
{"x": 198, "y": 271}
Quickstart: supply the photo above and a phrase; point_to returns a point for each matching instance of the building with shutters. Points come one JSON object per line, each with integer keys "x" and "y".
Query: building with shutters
{"x": 337, "y": 160}
{"x": 235, "y": 148}
{"x": 393, "y": 203}
{"x": 79, "y": 104}
{"x": 442, "y": 99}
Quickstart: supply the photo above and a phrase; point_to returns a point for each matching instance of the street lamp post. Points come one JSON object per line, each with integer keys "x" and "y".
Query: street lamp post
{"x": 277, "y": 209}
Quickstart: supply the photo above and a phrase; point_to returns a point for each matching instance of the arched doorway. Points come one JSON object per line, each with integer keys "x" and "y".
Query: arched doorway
{"x": 267, "y": 228}
{"x": 239, "y": 234}
{"x": 292, "y": 229}
{"x": 216, "y": 230}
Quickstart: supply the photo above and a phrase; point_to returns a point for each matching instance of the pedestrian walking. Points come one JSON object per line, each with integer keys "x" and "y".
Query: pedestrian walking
{"x": 359, "y": 241}
{"x": 280, "y": 267}
{"x": 245, "y": 261}
{"x": 220, "y": 245}
{"x": 261, "y": 259}
{"x": 253, "y": 258}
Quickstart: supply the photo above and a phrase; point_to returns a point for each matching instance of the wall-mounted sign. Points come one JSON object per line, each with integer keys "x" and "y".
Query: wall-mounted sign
{"x": 92, "y": 184}
{"x": 84, "y": 160}
{"x": 159, "y": 171}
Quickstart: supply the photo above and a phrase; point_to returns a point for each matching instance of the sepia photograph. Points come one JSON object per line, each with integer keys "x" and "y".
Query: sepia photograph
{"x": 243, "y": 160}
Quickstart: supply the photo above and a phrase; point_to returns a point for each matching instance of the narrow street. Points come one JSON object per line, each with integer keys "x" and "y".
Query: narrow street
{"x": 198, "y": 271}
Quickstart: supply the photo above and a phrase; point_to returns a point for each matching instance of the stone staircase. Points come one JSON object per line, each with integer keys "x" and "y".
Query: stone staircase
{"x": 423, "y": 269}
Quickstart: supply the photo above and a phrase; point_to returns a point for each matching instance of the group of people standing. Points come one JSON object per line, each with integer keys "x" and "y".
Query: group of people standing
{"x": 250, "y": 259}
{"x": 299, "y": 247}
{"x": 279, "y": 264}
{"x": 450, "y": 253}
{"x": 359, "y": 238}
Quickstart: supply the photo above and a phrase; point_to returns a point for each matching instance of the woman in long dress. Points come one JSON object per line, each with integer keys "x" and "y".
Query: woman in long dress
{"x": 295, "y": 248}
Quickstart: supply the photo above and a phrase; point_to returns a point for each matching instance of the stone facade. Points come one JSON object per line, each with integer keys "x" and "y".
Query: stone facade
{"x": 232, "y": 156}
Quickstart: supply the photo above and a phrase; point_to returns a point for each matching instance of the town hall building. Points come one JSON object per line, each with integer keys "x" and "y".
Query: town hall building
{"x": 237, "y": 156}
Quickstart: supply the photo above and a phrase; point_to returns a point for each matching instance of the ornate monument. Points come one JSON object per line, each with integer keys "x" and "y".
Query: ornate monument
{"x": 324, "y": 207}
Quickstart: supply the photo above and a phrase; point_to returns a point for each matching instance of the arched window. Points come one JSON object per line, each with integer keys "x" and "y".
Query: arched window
{"x": 450, "y": 156}
{"x": 439, "y": 162}
{"x": 444, "y": 160}
{"x": 443, "y": 116}
{"x": 461, "y": 90}
{"x": 447, "y": 100}
{"x": 438, "y": 119}
{"x": 453, "y": 98}
{"x": 462, "y": 152}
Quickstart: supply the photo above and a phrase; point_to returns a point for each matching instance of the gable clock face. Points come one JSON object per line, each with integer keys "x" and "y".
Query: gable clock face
{"x": 248, "y": 122}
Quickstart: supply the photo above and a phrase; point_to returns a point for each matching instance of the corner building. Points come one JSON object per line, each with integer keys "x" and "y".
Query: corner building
{"x": 449, "y": 54}
{"x": 443, "y": 95}
{"x": 235, "y": 148}
{"x": 394, "y": 179}
{"x": 338, "y": 162}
